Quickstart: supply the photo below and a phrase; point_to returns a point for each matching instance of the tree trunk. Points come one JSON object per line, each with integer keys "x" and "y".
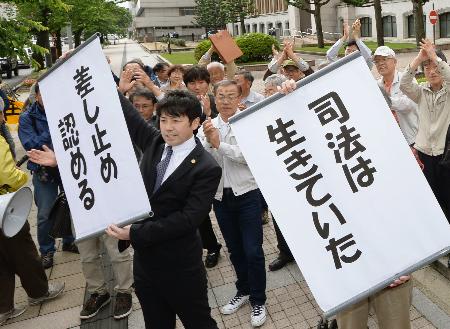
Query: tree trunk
{"x": 318, "y": 21}
{"x": 418, "y": 20}
{"x": 242, "y": 21}
{"x": 42, "y": 39}
{"x": 58, "y": 44}
{"x": 77, "y": 36}
{"x": 379, "y": 22}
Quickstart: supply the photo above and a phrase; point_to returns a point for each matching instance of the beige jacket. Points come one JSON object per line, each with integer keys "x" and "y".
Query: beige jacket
{"x": 433, "y": 108}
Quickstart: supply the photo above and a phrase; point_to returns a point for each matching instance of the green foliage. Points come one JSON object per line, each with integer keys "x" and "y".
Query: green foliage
{"x": 180, "y": 57}
{"x": 174, "y": 41}
{"x": 211, "y": 14}
{"x": 255, "y": 46}
{"x": 201, "y": 49}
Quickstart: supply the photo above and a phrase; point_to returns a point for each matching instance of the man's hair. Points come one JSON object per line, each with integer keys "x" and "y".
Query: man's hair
{"x": 196, "y": 73}
{"x": 159, "y": 67}
{"x": 176, "y": 67}
{"x": 247, "y": 76}
{"x": 178, "y": 103}
{"x": 226, "y": 83}
{"x": 134, "y": 61}
{"x": 352, "y": 43}
{"x": 143, "y": 92}
{"x": 275, "y": 80}
{"x": 215, "y": 64}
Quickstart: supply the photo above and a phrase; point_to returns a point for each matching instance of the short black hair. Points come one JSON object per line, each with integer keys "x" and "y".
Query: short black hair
{"x": 196, "y": 73}
{"x": 226, "y": 83}
{"x": 178, "y": 103}
{"x": 143, "y": 92}
{"x": 247, "y": 75}
{"x": 159, "y": 67}
{"x": 352, "y": 42}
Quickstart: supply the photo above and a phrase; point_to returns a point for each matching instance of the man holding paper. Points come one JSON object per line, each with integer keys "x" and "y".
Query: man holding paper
{"x": 180, "y": 178}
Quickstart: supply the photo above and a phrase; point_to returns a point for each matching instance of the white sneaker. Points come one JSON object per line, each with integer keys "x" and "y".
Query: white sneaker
{"x": 258, "y": 315}
{"x": 234, "y": 304}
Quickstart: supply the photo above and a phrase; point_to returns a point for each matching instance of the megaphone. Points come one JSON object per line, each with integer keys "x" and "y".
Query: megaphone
{"x": 14, "y": 210}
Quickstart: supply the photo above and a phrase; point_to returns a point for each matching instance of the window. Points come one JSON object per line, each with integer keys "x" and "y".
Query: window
{"x": 366, "y": 26}
{"x": 389, "y": 26}
{"x": 262, "y": 28}
{"x": 255, "y": 28}
{"x": 412, "y": 25}
{"x": 188, "y": 11}
{"x": 444, "y": 25}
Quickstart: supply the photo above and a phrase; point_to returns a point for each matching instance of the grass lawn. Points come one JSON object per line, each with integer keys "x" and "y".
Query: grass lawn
{"x": 371, "y": 44}
{"x": 187, "y": 57}
{"x": 180, "y": 57}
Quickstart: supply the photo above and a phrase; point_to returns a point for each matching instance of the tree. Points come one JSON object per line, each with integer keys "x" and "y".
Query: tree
{"x": 418, "y": 19}
{"x": 306, "y": 6}
{"x": 378, "y": 17}
{"x": 211, "y": 14}
{"x": 15, "y": 34}
{"x": 45, "y": 12}
{"x": 238, "y": 10}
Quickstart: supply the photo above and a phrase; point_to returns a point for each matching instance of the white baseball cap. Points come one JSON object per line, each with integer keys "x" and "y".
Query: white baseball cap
{"x": 384, "y": 51}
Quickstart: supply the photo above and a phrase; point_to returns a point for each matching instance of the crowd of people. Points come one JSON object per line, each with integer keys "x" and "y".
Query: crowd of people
{"x": 178, "y": 120}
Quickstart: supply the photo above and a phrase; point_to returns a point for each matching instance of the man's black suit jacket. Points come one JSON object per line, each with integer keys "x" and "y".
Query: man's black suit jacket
{"x": 168, "y": 240}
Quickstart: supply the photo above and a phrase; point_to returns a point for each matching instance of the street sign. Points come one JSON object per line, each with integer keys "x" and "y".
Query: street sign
{"x": 433, "y": 17}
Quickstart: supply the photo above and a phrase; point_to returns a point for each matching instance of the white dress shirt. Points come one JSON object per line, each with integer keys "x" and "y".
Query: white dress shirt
{"x": 180, "y": 152}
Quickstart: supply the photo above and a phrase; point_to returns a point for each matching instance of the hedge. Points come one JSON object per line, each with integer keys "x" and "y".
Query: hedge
{"x": 255, "y": 46}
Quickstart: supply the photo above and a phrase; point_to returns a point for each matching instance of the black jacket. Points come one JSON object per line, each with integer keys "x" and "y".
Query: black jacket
{"x": 169, "y": 240}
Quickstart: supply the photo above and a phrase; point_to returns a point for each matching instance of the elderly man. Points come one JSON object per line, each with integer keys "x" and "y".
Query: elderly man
{"x": 352, "y": 45}
{"x": 248, "y": 97}
{"x": 404, "y": 107}
{"x": 217, "y": 70}
{"x": 237, "y": 206}
{"x": 288, "y": 56}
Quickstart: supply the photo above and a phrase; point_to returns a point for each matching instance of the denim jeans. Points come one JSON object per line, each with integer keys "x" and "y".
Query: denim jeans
{"x": 239, "y": 219}
{"x": 45, "y": 194}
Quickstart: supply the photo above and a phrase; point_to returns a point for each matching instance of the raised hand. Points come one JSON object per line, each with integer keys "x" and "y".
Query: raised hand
{"x": 428, "y": 47}
{"x": 356, "y": 26}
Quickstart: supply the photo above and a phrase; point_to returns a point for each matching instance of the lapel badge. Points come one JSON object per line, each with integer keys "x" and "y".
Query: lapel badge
{"x": 193, "y": 161}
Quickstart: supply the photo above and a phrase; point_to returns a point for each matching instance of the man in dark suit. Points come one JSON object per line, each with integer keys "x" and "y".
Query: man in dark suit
{"x": 181, "y": 179}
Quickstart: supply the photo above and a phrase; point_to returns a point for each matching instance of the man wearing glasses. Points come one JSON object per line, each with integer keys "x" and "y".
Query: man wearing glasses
{"x": 237, "y": 205}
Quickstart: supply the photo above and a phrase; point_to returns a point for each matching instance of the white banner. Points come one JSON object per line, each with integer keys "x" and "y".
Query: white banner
{"x": 95, "y": 155}
{"x": 342, "y": 183}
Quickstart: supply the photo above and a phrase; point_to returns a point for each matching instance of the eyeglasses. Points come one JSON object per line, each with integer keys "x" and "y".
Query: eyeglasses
{"x": 229, "y": 98}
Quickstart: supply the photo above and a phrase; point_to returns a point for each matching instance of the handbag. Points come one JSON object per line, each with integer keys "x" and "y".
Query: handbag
{"x": 60, "y": 217}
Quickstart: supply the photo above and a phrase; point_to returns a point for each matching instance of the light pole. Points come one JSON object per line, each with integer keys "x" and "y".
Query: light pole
{"x": 154, "y": 38}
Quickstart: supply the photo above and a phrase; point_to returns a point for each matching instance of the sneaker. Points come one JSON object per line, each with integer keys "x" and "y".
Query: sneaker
{"x": 70, "y": 247}
{"x": 234, "y": 304}
{"x": 94, "y": 304}
{"x": 47, "y": 260}
{"x": 54, "y": 290}
{"x": 212, "y": 258}
{"x": 13, "y": 313}
{"x": 258, "y": 315}
{"x": 265, "y": 217}
{"x": 123, "y": 305}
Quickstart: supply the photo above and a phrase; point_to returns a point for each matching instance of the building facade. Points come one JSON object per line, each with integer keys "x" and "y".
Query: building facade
{"x": 398, "y": 20}
{"x": 160, "y": 17}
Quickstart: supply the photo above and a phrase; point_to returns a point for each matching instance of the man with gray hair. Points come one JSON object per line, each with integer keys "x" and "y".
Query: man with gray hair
{"x": 272, "y": 83}
{"x": 248, "y": 97}
{"x": 217, "y": 70}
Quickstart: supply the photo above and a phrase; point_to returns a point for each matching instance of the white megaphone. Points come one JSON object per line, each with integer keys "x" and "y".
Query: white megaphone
{"x": 14, "y": 210}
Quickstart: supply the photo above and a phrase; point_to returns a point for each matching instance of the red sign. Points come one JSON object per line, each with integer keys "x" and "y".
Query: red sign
{"x": 433, "y": 17}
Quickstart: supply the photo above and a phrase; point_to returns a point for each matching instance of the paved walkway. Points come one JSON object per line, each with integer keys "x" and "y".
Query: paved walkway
{"x": 289, "y": 304}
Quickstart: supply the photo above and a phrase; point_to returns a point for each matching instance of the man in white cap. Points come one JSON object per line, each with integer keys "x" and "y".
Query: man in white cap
{"x": 405, "y": 109}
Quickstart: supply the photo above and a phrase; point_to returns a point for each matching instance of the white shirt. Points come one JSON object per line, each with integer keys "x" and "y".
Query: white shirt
{"x": 230, "y": 158}
{"x": 252, "y": 98}
{"x": 180, "y": 152}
